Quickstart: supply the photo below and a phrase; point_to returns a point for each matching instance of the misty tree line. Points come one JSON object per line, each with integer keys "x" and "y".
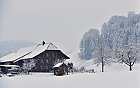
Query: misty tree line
{"x": 118, "y": 41}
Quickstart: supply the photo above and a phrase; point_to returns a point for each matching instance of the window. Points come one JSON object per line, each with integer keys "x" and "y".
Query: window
{"x": 42, "y": 61}
{"x": 46, "y": 60}
{"x": 38, "y": 59}
{"x": 46, "y": 67}
{"x": 47, "y": 54}
{"x": 41, "y": 67}
{"x": 53, "y": 55}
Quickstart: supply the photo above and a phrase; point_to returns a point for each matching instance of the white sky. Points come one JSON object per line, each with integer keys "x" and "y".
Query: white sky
{"x": 62, "y": 22}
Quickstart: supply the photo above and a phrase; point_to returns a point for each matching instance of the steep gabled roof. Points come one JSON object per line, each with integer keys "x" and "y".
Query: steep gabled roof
{"x": 28, "y": 52}
{"x": 39, "y": 49}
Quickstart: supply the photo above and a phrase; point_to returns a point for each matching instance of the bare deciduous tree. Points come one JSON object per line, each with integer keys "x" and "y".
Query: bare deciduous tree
{"x": 129, "y": 55}
{"x": 102, "y": 54}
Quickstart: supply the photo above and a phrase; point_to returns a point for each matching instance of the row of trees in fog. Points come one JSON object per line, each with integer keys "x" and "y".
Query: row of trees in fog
{"x": 118, "y": 41}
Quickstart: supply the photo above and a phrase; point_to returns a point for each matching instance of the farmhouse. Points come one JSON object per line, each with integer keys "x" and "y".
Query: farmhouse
{"x": 43, "y": 56}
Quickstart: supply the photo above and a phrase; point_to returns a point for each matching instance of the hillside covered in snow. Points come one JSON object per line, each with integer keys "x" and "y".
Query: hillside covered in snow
{"x": 89, "y": 64}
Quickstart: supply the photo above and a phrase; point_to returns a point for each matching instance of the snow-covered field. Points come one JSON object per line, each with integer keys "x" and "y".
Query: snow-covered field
{"x": 115, "y": 76}
{"x": 78, "y": 80}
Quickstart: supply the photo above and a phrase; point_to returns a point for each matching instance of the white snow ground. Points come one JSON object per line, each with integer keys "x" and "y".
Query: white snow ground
{"x": 116, "y": 76}
{"x": 77, "y": 80}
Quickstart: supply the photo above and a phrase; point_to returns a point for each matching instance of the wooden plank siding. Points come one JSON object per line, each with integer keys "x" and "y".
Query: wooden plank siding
{"x": 61, "y": 70}
{"x": 45, "y": 61}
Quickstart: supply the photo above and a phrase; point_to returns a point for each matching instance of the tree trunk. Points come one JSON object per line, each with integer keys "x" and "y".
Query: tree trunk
{"x": 102, "y": 65}
{"x": 130, "y": 67}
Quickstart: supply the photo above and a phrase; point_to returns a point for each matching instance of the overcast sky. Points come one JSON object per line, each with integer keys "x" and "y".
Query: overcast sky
{"x": 62, "y": 22}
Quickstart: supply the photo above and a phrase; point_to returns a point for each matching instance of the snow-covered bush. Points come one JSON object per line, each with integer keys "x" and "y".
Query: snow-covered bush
{"x": 28, "y": 65}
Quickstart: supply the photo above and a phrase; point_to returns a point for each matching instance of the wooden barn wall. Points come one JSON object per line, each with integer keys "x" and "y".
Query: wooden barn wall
{"x": 45, "y": 61}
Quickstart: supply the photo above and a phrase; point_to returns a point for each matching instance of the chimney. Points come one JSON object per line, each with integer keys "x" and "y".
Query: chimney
{"x": 43, "y": 43}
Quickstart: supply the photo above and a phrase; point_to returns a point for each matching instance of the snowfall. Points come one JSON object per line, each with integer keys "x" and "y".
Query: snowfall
{"x": 115, "y": 76}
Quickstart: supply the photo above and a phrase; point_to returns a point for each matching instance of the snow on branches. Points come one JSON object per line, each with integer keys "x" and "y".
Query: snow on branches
{"x": 28, "y": 65}
{"x": 128, "y": 55}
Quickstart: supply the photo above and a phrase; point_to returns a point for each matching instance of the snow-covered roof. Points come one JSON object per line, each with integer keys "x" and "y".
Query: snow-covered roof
{"x": 39, "y": 49}
{"x": 28, "y": 52}
{"x": 18, "y": 54}
{"x": 9, "y": 65}
{"x": 57, "y": 65}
